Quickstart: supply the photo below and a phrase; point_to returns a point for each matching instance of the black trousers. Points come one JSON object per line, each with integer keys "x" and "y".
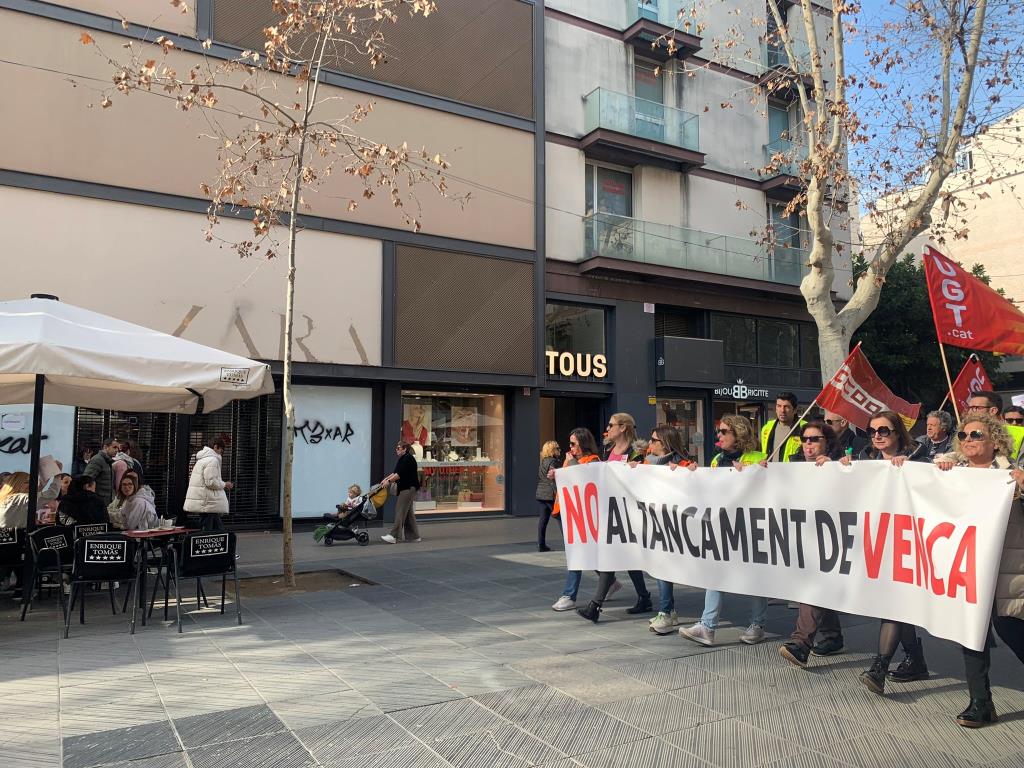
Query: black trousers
{"x": 978, "y": 663}
{"x": 607, "y": 578}
{"x": 542, "y": 521}
{"x": 211, "y": 522}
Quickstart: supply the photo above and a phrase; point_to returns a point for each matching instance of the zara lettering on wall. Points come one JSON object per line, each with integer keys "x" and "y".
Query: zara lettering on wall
{"x": 577, "y": 364}
{"x": 741, "y": 391}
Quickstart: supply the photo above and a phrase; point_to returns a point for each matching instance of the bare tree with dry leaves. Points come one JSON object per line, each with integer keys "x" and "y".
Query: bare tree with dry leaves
{"x": 933, "y": 74}
{"x": 278, "y": 137}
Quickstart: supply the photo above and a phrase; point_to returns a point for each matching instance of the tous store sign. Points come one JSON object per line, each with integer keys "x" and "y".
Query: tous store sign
{"x": 574, "y": 341}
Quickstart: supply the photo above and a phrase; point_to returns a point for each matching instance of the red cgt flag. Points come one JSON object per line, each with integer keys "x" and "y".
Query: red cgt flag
{"x": 857, "y": 394}
{"x": 972, "y": 378}
{"x": 967, "y": 312}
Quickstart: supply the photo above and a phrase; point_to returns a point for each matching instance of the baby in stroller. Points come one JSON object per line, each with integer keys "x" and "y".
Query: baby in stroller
{"x": 344, "y": 524}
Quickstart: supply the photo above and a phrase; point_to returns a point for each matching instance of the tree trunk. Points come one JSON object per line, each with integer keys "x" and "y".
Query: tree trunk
{"x": 288, "y": 559}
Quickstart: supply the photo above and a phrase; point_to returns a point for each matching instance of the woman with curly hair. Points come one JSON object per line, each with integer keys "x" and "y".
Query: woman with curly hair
{"x": 983, "y": 442}
{"x": 738, "y": 447}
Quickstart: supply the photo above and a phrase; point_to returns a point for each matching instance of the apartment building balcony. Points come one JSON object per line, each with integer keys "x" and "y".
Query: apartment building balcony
{"x": 619, "y": 243}
{"x": 623, "y": 129}
{"x": 782, "y": 177}
{"x": 650, "y": 21}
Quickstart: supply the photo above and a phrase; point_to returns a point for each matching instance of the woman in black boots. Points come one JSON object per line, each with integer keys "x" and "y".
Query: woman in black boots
{"x": 890, "y": 441}
{"x": 984, "y": 443}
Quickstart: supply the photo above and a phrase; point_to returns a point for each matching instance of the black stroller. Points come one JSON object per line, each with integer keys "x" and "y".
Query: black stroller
{"x": 349, "y": 524}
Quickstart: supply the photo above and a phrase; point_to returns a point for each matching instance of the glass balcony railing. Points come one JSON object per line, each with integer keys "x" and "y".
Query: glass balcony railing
{"x": 620, "y": 237}
{"x": 641, "y": 118}
{"x": 665, "y": 12}
{"x": 783, "y": 158}
{"x": 773, "y": 55}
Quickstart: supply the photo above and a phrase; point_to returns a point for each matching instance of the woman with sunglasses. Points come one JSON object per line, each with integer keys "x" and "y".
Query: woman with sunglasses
{"x": 665, "y": 448}
{"x": 582, "y": 450}
{"x": 890, "y": 441}
{"x": 738, "y": 447}
{"x": 817, "y": 443}
{"x": 984, "y": 443}
{"x": 619, "y": 436}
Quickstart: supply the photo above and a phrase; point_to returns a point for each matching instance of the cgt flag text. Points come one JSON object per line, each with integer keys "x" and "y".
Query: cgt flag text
{"x": 870, "y": 539}
{"x": 857, "y": 394}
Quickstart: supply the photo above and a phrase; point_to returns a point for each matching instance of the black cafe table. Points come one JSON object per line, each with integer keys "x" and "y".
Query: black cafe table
{"x": 150, "y": 540}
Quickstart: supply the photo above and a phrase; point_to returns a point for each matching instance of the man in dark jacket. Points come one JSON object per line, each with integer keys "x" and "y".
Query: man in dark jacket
{"x": 938, "y": 437}
{"x": 846, "y": 437}
{"x": 99, "y": 469}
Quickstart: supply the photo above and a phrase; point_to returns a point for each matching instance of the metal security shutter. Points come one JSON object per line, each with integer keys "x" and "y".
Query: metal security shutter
{"x": 154, "y": 432}
{"x": 476, "y": 52}
{"x": 682, "y": 323}
{"x": 458, "y": 312}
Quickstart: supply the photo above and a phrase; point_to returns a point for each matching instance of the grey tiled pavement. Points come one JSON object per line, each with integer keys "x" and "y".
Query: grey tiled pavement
{"x": 454, "y": 658}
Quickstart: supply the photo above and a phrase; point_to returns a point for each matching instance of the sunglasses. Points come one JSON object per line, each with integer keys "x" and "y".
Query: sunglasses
{"x": 974, "y": 434}
{"x": 812, "y": 438}
{"x": 655, "y": 440}
{"x": 1014, "y": 421}
{"x": 881, "y": 431}
{"x": 832, "y": 422}
{"x": 724, "y": 431}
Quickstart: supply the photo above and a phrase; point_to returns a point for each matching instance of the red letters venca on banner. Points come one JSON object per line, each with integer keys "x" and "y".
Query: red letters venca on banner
{"x": 967, "y": 312}
{"x": 870, "y": 539}
{"x": 972, "y": 378}
{"x": 857, "y": 394}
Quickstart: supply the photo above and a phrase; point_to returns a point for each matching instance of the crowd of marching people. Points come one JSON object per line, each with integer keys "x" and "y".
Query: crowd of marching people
{"x": 988, "y": 436}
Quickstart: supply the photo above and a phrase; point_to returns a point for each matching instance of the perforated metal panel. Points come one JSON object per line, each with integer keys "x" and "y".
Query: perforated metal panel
{"x": 477, "y": 52}
{"x": 459, "y": 312}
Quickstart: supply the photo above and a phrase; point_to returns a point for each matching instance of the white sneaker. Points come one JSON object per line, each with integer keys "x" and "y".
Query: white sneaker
{"x": 615, "y": 587}
{"x": 699, "y": 634}
{"x": 753, "y": 635}
{"x": 416, "y": 541}
{"x": 664, "y": 623}
{"x": 389, "y": 538}
{"x": 564, "y": 603}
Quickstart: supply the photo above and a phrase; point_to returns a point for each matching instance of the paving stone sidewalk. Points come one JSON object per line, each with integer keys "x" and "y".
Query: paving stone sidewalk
{"x": 454, "y": 658}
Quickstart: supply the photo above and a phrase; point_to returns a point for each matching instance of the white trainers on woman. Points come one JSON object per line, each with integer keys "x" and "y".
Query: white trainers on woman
{"x": 564, "y": 603}
{"x": 699, "y": 634}
{"x": 753, "y": 635}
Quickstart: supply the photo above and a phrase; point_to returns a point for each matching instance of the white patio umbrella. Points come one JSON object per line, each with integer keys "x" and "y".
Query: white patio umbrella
{"x": 73, "y": 356}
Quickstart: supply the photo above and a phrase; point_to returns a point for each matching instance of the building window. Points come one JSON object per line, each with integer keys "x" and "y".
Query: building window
{"x": 964, "y": 160}
{"x": 574, "y": 341}
{"x": 809, "y": 355}
{"x": 458, "y": 440}
{"x": 608, "y": 191}
{"x": 778, "y": 343}
{"x": 739, "y": 337}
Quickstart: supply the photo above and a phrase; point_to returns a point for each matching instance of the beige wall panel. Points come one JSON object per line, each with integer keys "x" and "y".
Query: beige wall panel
{"x": 152, "y": 266}
{"x": 154, "y": 14}
{"x": 660, "y": 195}
{"x": 565, "y": 202}
{"x": 142, "y": 142}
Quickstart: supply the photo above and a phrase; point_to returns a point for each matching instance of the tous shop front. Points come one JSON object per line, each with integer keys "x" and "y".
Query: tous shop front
{"x": 458, "y": 439}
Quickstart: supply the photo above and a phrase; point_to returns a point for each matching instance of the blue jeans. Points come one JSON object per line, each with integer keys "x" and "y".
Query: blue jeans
{"x": 666, "y": 597}
{"x": 713, "y": 606}
{"x": 572, "y": 583}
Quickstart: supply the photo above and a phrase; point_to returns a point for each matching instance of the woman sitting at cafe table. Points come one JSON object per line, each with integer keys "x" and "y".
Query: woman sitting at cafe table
{"x": 983, "y": 442}
{"x": 139, "y": 506}
{"x": 82, "y": 505}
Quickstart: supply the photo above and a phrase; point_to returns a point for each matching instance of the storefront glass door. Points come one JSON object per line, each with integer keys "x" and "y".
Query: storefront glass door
{"x": 686, "y": 415}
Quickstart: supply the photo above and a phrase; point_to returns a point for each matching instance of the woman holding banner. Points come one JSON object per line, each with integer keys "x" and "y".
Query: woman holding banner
{"x": 738, "y": 448}
{"x": 817, "y": 442}
{"x": 619, "y": 436}
{"x": 983, "y": 442}
{"x": 890, "y": 441}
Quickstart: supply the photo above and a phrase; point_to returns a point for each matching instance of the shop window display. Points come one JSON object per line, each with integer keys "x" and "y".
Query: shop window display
{"x": 458, "y": 440}
{"x": 688, "y": 417}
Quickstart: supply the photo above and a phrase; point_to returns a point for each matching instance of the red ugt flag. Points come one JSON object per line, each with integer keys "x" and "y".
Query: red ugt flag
{"x": 858, "y": 395}
{"x": 967, "y": 312}
{"x": 972, "y": 379}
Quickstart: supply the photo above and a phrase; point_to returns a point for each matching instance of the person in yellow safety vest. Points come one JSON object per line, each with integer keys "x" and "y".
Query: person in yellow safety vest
{"x": 776, "y": 429}
{"x": 1013, "y": 418}
{"x": 985, "y": 401}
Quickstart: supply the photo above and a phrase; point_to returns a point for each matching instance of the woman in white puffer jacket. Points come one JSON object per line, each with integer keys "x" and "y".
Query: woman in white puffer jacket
{"x": 206, "y": 495}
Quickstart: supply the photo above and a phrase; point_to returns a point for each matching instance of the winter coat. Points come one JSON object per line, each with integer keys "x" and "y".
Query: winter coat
{"x": 82, "y": 509}
{"x": 139, "y": 510}
{"x": 932, "y": 449}
{"x": 99, "y": 469}
{"x": 14, "y": 508}
{"x": 668, "y": 458}
{"x": 205, "y": 495}
{"x": 545, "y": 487}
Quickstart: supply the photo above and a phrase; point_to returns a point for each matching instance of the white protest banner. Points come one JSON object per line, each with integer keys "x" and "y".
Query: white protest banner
{"x": 906, "y": 543}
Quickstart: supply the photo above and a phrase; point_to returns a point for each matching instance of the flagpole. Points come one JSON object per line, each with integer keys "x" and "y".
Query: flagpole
{"x": 970, "y": 357}
{"x": 949, "y": 380}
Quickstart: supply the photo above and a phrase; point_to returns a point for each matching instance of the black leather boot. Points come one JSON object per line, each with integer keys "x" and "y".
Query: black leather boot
{"x": 643, "y": 605}
{"x": 913, "y": 666}
{"x": 591, "y": 612}
{"x": 978, "y": 713}
{"x": 874, "y": 678}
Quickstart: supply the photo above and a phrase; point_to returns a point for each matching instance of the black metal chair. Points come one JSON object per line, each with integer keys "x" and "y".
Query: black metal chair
{"x": 105, "y": 557}
{"x": 205, "y": 554}
{"x": 89, "y": 529}
{"x": 52, "y": 555}
{"x": 12, "y": 548}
